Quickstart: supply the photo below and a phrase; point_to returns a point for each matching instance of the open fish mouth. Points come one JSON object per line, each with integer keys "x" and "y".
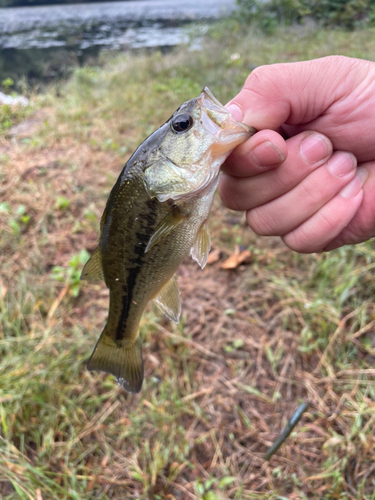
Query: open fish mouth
{"x": 218, "y": 121}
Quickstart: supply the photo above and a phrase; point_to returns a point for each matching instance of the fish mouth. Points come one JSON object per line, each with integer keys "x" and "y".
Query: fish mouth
{"x": 219, "y": 122}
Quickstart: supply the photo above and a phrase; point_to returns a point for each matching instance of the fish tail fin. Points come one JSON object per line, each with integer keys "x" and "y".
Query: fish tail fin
{"x": 123, "y": 360}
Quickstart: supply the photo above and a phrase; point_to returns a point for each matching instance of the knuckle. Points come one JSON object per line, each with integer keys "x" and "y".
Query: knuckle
{"x": 229, "y": 200}
{"x": 307, "y": 238}
{"x": 260, "y": 223}
{"x": 311, "y": 196}
{"x": 299, "y": 242}
{"x": 257, "y": 75}
{"x": 284, "y": 180}
{"x": 229, "y": 194}
{"x": 264, "y": 78}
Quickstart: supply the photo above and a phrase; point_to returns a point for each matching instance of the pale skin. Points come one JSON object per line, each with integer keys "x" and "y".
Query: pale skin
{"x": 316, "y": 189}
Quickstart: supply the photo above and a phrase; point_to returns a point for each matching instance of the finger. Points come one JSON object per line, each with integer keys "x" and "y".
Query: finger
{"x": 289, "y": 211}
{"x": 263, "y": 151}
{"x": 306, "y": 152}
{"x": 315, "y": 234}
{"x": 362, "y": 225}
{"x": 295, "y": 93}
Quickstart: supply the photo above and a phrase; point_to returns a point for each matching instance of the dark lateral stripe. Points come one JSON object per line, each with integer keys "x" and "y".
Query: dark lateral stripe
{"x": 138, "y": 251}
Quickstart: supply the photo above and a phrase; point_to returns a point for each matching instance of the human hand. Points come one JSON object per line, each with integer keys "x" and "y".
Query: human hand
{"x": 316, "y": 189}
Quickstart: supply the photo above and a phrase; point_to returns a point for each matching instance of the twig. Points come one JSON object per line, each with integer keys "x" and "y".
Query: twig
{"x": 57, "y": 301}
{"x": 286, "y": 432}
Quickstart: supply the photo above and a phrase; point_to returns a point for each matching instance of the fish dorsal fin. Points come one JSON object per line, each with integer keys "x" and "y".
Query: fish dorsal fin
{"x": 202, "y": 245}
{"x": 168, "y": 300}
{"x": 170, "y": 222}
{"x": 93, "y": 269}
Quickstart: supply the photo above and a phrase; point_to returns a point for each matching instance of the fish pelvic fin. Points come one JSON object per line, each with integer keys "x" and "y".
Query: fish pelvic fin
{"x": 123, "y": 359}
{"x": 168, "y": 300}
{"x": 93, "y": 269}
{"x": 202, "y": 245}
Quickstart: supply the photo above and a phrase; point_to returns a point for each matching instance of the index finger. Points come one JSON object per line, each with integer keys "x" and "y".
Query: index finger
{"x": 294, "y": 93}
{"x": 263, "y": 151}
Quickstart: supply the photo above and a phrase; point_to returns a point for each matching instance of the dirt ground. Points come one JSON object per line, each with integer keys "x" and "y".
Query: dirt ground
{"x": 254, "y": 343}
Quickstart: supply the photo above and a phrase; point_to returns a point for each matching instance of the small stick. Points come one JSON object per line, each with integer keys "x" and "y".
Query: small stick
{"x": 288, "y": 429}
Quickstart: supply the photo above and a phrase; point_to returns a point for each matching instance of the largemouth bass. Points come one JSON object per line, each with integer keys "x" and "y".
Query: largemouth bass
{"x": 155, "y": 215}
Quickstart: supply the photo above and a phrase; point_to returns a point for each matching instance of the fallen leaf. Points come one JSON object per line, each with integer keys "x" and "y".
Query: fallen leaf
{"x": 237, "y": 258}
{"x": 154, "y": 360}
{"x": 3, "y": 290}
{"x": 214, "y": 256}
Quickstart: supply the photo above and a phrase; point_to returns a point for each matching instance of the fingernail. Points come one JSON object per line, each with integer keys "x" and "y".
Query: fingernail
{"x": 314, "y": 148}
{"x": 341, "y": 164}
{"x": 235, "y": 111}
{"x": 267, "y": 153}
{"x": 355, "y": 185}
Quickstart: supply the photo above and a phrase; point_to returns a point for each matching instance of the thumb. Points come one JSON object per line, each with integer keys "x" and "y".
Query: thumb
{"x": 295, "y": 93}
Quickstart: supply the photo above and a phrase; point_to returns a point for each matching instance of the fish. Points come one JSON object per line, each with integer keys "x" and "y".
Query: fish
{"x": 156, "y": 214}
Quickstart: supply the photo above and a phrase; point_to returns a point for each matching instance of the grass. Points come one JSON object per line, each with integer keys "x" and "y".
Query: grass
{"x": 253, "y": 343}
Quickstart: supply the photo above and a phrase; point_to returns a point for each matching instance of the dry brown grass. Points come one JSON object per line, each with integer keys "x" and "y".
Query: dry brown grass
{"x": 253, "y": 343}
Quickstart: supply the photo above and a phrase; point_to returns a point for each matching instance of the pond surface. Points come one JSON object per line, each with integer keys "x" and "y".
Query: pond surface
{"x": 43, "y": 42}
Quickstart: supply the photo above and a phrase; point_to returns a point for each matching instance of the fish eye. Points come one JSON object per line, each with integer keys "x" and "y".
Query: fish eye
{"x": 182, "y": 123}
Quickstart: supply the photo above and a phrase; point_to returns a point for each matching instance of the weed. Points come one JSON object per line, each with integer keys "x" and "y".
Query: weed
{"x": 253, "y": 342}
{"x": 7, "y": 84}
{"x": 17, "y": 219}
{"x": 62, "y": 203}
{"x": 70, "y": 276}
{"x": 11, "y": 115}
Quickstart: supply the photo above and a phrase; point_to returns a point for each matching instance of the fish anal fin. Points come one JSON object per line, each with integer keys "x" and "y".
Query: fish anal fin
{"x": 170, "y": 222}
{"x": 202, "y": 245}
{"x": 122, "y": 359}
{"x": 93, "y": 269}
{"x": 168, "y": 300}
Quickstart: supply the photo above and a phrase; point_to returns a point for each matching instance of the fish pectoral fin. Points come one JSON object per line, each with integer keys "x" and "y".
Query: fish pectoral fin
{"x": 93, "y": 269}
{"x": 123, "y": 360}
{"x": 202, "y": 245}
{"x": 169, "y": 301}
{"x": 170, "y": 222}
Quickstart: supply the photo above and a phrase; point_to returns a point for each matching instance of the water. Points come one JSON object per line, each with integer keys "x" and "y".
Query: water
{"x": 42, "y": 43}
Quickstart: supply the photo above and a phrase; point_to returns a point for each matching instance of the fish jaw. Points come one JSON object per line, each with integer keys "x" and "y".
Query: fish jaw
{"x": 219, "y": 122}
